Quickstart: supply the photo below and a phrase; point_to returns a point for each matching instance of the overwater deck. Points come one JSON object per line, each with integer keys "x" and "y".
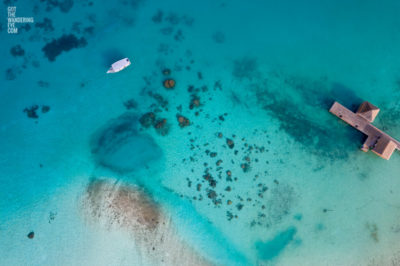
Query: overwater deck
{"x": 378, "y": 141}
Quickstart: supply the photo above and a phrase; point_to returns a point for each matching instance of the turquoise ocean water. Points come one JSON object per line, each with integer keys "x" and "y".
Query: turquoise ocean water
{"x": 99, "y": 168}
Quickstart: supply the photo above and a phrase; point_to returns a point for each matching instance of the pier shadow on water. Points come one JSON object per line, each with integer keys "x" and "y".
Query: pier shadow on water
{"x": 302, "y": 110}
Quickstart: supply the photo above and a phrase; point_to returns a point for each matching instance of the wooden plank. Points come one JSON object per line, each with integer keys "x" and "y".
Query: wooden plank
{"x": 373, "y": 134}
{"x": 349, "y": 117}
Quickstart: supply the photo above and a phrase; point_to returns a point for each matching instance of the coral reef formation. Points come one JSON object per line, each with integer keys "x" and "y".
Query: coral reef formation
{"x": 63, "y": 44}
{"x": 169, "y": 84}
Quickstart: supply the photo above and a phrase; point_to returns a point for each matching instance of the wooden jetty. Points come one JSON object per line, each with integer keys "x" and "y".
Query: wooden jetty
{"x": 377, "y": 141}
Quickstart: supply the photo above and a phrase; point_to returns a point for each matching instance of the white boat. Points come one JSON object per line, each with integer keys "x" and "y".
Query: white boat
{"x": 119, "y": 65}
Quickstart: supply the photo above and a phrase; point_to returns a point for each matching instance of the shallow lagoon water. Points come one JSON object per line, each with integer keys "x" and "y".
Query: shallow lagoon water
{"x": 293, "y": 189}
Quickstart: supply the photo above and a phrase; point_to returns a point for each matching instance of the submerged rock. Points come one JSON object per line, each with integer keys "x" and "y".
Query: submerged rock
{"x": 45, "y": 108}
{"x": 31, "y": 235}
{"x": 245, "y": 167}
{"x": 194, "y": 102}
{"x": 169, "y": 84}
{"x": 230, "y": 143}
{"x": 161, "y": 126}
{"x": 183, "y": 121}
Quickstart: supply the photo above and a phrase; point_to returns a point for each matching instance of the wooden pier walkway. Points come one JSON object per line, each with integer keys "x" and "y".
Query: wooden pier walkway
{"x": 378, "y": 141}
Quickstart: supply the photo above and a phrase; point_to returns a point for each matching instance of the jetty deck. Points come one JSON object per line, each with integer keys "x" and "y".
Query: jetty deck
{"x": 377, "y": 141}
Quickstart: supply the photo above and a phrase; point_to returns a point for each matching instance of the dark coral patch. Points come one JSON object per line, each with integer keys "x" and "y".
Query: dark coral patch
{"x": 31, "y": 112}
{"x": 10, "y": 74}
{"x": 64, "y": 5}
{"x": 230, "y": 143}
{"x": 31, "y": 235}
{"x": 148, "y": 119}
{"x": 46, "y": 25}
{"x": 169, "y": 84}
{"x": 45, "y": 108}
{"x": 245, "y": 167}
{"x": 158, "y": 17}
{"x": 161, "y": 126}
{"x": 127, "y": 206}
{"x": 194, "y": 102}
{"x": 64, "y": 43}
{"x": 161, "y": 101}
{"x": 183, "y": 121}
{"x": 17, "y": 51}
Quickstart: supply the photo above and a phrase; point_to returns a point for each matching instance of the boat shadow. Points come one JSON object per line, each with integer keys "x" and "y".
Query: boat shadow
{"x": 110, "y": 56}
